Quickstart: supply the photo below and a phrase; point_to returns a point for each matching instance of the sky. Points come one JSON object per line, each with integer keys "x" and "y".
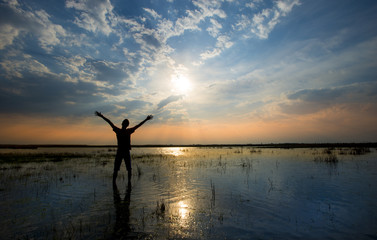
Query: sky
{"x": 211, "y": 72}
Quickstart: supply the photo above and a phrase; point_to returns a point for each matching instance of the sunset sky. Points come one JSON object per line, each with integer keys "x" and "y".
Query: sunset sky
{"x": 225, "y": 71}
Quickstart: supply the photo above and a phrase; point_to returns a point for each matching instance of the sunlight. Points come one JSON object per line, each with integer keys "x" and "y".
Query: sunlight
{"x": 183, "y": 209}
{"x": 181, "y": 84}
{"x": 175, "y": 151}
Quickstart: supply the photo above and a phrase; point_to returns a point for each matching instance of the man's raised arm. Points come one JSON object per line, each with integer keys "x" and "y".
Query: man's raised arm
{"x": 99, "y": 114}
{"x": 149, "y": 117}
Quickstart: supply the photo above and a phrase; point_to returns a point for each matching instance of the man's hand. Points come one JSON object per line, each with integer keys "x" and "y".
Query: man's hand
{"x": 149, "y": 117}
{"x": 99, "y": 114}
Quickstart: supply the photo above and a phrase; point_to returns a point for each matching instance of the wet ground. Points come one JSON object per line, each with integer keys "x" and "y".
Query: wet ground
{"x": 190, "y": 193}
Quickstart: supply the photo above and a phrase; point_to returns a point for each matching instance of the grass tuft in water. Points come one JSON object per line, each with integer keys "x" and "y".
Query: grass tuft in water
{"x": 331, "y": 158}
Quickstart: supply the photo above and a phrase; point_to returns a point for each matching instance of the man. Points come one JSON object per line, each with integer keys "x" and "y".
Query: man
{"x": 124, "y": 143}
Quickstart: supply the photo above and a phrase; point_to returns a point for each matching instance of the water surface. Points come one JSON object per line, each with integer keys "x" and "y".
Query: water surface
{"x": 191, "y": 193}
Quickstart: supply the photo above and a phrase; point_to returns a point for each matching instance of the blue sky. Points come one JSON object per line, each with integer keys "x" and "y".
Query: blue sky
{"x": 209, "y": 71}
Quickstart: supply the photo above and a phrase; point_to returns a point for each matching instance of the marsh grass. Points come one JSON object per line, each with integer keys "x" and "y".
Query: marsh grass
{"x": 330, "y": 158}
{"x": 40, "y": 157}
{"x": 330, "y": 154}
{"x": 139, "y": 171}
{"x": 253, "y": 150}
{"x": 150, "y": 158}
{"x": 160, "y": 208}
{"x": 354, "y": 151}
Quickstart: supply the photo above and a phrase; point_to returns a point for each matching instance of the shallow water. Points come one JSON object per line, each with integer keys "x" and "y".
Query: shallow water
{"x": 192, "y": 193}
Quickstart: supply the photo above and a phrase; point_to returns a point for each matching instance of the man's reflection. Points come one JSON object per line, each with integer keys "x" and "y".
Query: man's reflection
{"x": 122, "y": 211}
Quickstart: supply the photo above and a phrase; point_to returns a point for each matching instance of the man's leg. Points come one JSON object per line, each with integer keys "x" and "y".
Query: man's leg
{"x": 127, "y": 160}
{"x": 117, "y": 163}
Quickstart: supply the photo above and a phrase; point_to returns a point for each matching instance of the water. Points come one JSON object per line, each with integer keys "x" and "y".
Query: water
{"x": 191, "y": 193}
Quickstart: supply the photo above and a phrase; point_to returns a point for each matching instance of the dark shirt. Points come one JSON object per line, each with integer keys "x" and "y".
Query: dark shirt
{"x": 124, "y": 138}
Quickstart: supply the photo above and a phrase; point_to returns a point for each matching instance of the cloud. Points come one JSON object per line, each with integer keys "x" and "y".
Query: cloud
{"x": 168, "y": 100}
{"x": 24, "y": 65}
{"x": 309, "y": 101}
{"x": 262, "y": 23}
{"x": 153, "y": 13}
{"x": 39, "y": 92}
{"x": 16, "y": 22}
{"x": 72, "y": 65}
{"x": 285, "y": 7}
{"x": 190, "y": 22}
{"x": 7, "y": 35}
{"x": 215, "y": 28}
{"x": 292, "y": 80}
{"x": 318, "y": 95}
{"x": 130, "y": 108}
{"x": 108, "y": 71}
{"x": 29, "y": 86}
{"x": 222, "y": 43}
{"x": 150, "y": 40}
{"x": 105, "y": 74}
{"x": 95, "y": 15}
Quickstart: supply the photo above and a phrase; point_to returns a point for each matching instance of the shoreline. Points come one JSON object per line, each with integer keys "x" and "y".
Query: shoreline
{"x": 261, "y": 145}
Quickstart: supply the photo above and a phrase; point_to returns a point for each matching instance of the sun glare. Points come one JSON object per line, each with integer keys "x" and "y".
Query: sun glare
{"x": 181, "y": 84}
{"x": 183, "y": 209}
{"x": 175, "y": 151}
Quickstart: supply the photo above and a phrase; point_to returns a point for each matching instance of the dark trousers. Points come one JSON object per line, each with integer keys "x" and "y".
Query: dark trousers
{"x": 124, "y": 154}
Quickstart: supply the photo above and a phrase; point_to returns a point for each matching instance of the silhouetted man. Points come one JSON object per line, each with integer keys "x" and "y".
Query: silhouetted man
{"x": 124, "y": 143}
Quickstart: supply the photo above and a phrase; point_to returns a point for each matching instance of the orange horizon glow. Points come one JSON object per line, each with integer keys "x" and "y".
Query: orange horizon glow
{"x": 327, "y": 126}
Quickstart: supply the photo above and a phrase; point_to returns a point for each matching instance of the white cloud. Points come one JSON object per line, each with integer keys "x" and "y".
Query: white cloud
{"x": 215, "y": 28}
{"x": 190, "y": 22}
{"x": 285, "y": 7}
{"x": 18, "y": 22}
{"x": 210, "y": 53}
{"x": 153, "y": 13}
{"x": 51, "y": 33}
{"x": 95, "y": 15}
{"x": 222, "y": 43}
{"x": 73, "y": 64}
{"x": 250, "y": 5}
{"x": 17, "y": 68}
{"x": 12, "y": 2}
{"x": 7, "y": 34}
{"x": 243, "y": 23}
{"x": 262, "y": 23}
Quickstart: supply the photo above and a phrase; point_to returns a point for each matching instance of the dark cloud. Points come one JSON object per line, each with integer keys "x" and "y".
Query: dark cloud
{"x": 318, "y": 95}
{"x": 170, "y": 99}
{"x": 46, "y": 94}
{"x": 108, "y": 72}
{"x": 9, "y": 16}
{"x": 308, "y": 101}
{"x": 134, "y": 105}
{"x": 151, "y": 41}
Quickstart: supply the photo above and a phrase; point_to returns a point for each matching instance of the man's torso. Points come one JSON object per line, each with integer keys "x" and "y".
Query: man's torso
{"x": 123, "y": 138}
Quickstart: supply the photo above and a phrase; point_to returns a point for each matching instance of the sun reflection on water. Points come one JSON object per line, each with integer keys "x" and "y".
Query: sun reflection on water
{"x": 183, "y": 210}
{"x": 175, "y": 151}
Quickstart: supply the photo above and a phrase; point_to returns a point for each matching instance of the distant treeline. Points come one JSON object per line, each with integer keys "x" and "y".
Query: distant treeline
{"x": 262, "y": 145}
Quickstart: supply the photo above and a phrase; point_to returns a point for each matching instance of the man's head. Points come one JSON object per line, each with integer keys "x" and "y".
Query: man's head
{"x": 125, "y": 123}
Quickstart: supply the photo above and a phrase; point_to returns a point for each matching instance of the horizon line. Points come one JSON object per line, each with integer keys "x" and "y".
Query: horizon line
{"x": 272, "y": 145}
